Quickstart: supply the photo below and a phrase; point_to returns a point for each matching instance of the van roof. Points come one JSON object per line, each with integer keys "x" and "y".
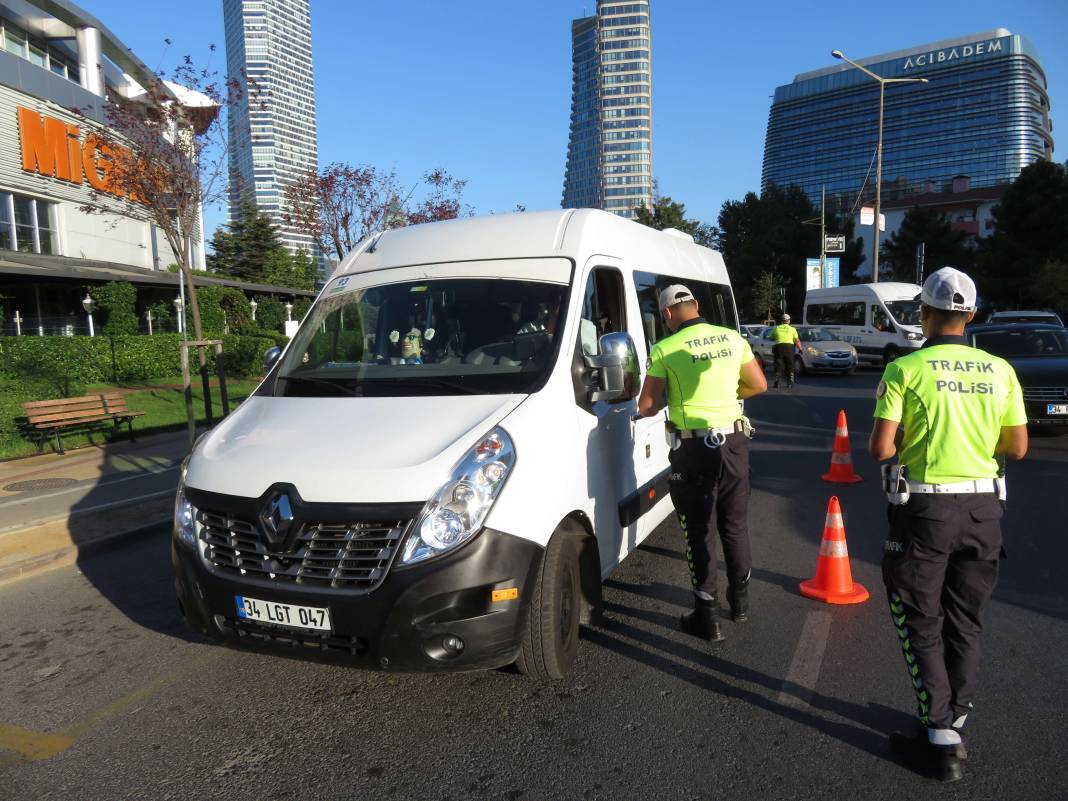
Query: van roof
{"x": 577, "y": 234}
{"x": 884, "y": 290}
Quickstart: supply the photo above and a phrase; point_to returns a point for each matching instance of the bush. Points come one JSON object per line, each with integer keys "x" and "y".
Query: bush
{"x": 117, "y": 302}
{"x": 220, "y": 307}
{"x": 61, "y": 363}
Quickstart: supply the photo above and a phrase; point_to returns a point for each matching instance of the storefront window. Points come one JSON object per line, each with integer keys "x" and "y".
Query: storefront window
{"x": 34, "y": 224}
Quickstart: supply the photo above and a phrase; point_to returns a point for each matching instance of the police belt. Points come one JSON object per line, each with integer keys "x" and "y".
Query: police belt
{"x": 973, "y": 487}
{"x": 718, "y": 434}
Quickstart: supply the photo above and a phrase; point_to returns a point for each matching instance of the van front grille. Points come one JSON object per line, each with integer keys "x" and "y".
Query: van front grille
{"x": 354, "y": 556}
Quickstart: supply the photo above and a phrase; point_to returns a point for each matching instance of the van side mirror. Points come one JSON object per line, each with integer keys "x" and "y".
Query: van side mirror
{"x": 617, "y": 376}
{"x": 270, "y": 356}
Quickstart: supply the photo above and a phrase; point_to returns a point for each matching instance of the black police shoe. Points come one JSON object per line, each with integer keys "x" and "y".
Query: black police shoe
{"x": 703, "y": 621}
{"x": 940, "y": 762}
{"x": 738, "y": 598}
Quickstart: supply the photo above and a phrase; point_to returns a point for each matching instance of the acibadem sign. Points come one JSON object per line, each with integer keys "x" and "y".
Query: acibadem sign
{"x": 55, "y": 148}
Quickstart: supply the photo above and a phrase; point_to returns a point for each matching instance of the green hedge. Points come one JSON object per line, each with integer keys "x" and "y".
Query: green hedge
{"x": 65, "y": 362}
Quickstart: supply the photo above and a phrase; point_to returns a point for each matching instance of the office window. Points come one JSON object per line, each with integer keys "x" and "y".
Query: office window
{"x": 14, "y": 42}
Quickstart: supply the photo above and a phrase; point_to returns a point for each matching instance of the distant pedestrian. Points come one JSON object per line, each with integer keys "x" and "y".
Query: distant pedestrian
{"x": 704, "y": 370}
{"x": 786, "y": 342}
{"x": 958, "y": 408}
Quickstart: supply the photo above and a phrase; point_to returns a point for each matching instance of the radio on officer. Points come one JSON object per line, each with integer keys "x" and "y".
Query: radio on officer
{"x": 701, "y": 372}
{"x": 960, "y": 412}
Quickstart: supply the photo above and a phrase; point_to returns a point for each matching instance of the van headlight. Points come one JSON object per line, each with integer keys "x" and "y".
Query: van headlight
{"x": 185, "y": 514}
{"x": 913, "y": 336}
{"x": 455, "y": 514}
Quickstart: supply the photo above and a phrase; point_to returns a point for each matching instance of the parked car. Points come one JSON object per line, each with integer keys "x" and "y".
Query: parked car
{"x": 822, "y": 351}
{"x": 1039, "y": 354}
{"x": 761, "y": 343}
{"x": 1025, "y": 316}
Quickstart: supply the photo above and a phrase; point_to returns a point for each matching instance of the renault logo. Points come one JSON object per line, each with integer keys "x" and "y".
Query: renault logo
{"x": 277, "y": 521}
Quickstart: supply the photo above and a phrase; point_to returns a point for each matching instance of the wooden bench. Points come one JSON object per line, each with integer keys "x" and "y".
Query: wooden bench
{"x": 54, "y": 415}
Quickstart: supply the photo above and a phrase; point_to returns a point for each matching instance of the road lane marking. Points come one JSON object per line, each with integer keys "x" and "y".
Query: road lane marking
{"x": 804, "y": 672}
{"x": 34, "y": 746}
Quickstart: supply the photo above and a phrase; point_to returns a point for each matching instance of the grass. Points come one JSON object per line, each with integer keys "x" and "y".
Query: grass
{"x": 162, "y": 401}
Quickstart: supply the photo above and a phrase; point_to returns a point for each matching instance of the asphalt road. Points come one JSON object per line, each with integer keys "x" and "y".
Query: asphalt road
{"x": 105, "y": 696}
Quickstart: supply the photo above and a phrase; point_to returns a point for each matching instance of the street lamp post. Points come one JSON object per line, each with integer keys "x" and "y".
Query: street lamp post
{"x": 252, "y": 304}
{"x": 878, "y": 151}
{"x": 179, "y": 306}
{"x": 289, "y": 312}
{"x": 89, "y": 304}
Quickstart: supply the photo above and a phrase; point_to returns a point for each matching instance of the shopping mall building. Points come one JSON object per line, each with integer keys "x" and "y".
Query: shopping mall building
{"x": 60, "y": 67}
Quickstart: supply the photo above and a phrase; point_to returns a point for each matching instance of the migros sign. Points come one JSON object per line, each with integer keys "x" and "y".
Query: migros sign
{"x": 54, "y": 148}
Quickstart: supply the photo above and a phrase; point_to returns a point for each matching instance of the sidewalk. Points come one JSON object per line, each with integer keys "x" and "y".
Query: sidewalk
{"x": 55, "y": 508}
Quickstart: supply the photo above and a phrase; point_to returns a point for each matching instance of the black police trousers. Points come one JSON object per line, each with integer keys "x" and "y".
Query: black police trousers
{"x": 940, "y": 565}
{"x": 710, "y": 491}
{"x": 784, "y": 362}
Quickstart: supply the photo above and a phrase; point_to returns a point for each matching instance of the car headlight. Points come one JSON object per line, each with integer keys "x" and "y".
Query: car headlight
{"x": 811, "y": 351}
{"x": 913, "y": 336}
{"x": 455, "y": 514}
{"x": 185, "y": 514}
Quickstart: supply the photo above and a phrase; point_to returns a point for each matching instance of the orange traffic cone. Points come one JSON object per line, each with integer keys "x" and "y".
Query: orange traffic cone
{"x": 841, "y": 458}
{"x": 834, "y": 580}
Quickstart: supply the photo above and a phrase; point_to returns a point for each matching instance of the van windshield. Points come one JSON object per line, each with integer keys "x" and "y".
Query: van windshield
{"x": 482, "y": 336}
{"x": 905, "y": 312}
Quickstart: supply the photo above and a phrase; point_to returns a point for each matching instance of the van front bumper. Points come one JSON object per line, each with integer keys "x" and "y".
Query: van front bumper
{"x": 400, "y": 625}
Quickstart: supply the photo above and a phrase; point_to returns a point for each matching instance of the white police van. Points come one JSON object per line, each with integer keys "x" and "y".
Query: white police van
{"x": 882, "y": 321}
{"x": 442, "y": 466}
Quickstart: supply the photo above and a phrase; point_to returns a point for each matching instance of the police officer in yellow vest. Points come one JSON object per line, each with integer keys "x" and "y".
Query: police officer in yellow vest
{"x": 705, "y": 370}
{"x": 949, "y": 411}
{"x": 785, "y": 339}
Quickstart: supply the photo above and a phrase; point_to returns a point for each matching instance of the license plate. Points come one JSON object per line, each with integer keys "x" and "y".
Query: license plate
{"x": 291, "y": 615}
{"x": 1057, "y": 408}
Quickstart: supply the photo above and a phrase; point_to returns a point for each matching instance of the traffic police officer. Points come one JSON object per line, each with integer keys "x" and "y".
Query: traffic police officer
{"x": 706, "y": 369}
{"x": 959, "y": 409}
{"x": 785, "y": 338}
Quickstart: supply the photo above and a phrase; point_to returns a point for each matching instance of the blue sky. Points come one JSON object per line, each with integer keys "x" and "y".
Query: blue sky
{"x": 482, "y": 87}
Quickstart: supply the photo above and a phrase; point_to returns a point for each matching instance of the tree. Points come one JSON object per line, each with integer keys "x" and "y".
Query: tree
{"x": 1025, "y": 261}
{"x": 942, "y": 246}
{"x": 344, "y": 204}
{"x": 764, "y": 296}
{"x": 666, "y": 213}
{"x": 162, "y": 156}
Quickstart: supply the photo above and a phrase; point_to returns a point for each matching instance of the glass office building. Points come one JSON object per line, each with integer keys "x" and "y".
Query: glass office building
{"x": 609, "y": 152}
{"x": 984, "y": 114}
{"x": 272, "y": 132}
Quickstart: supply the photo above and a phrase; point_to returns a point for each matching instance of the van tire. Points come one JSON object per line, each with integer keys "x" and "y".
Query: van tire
{"x": 550, "y": 642}
{"x": 890, "y": 354}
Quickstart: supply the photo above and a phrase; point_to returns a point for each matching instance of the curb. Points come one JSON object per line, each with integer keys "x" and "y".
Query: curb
{"x": 51, "y": 544}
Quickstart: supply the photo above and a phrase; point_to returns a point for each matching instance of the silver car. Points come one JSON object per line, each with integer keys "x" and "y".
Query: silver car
{"x": 822, "y": 351}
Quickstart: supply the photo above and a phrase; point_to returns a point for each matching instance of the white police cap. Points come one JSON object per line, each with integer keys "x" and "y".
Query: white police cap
{"x": 676, "y": 293}
{"x": 949, "y": 289}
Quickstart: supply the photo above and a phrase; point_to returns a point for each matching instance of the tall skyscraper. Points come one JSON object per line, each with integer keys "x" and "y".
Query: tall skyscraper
{"x": 272, "y": 131}
{"x": 610, "y": 148}
{"x": 984, "y": 115}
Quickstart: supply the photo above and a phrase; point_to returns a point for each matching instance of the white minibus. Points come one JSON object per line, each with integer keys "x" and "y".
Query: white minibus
{"x": 882, "y": 321}
{"x": 442, "y": 466}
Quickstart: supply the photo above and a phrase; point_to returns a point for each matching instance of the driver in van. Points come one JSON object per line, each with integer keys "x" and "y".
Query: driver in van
{"x": 701, "y": 372}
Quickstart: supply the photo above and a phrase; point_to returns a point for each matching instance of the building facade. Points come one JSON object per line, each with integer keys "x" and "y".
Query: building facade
{"x": 610, "y": 147}
{"x": 272, "y": 131}
{"x": 984, "y": 114}
{"x": 60, "y": 69}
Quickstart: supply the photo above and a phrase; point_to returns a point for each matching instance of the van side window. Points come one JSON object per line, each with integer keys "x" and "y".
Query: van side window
{"x": 851, "y": 313}
{"x": 880, "y": 320}
{"x": 603, "y": 311}
{"x": 714, "y": 301}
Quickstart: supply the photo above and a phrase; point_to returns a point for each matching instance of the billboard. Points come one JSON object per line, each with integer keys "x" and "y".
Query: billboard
{"x": 815, "y": 278}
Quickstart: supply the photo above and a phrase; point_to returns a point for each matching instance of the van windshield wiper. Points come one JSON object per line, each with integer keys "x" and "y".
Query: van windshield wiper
{"x": 324, "y": 381}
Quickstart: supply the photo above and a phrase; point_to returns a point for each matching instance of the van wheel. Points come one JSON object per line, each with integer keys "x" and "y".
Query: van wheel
{"x": 890, "y": 354}
{"x": 550, "y": 644}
